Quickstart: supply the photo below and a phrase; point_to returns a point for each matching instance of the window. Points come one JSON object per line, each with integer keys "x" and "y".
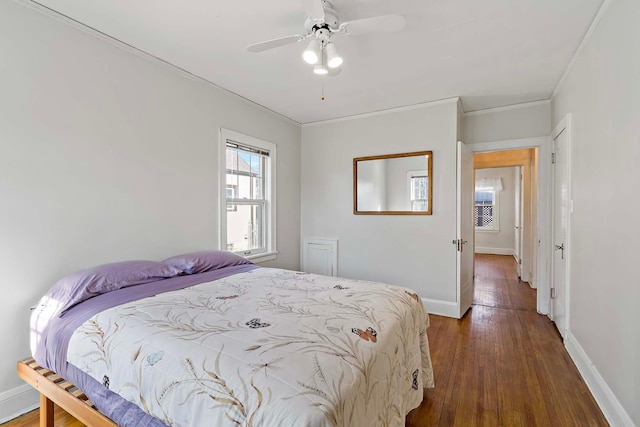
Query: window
{"x": 247, "y": 217}
{"x": 418, "y": 190}
{"x": 485, "y": 213}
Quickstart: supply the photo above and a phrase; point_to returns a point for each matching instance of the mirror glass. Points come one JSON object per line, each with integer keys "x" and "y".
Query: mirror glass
{"x": 393, "y": 184}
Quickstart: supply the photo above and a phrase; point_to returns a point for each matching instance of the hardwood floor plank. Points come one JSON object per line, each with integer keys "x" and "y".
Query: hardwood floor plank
{"x": 505, "y": 365}
{"x": 32, "y": 419}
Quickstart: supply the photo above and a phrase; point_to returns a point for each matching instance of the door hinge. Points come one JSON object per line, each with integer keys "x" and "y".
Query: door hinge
{"x": 520, "y": 261}
{"x": 553, "y": 292}
{"x": 553, "y": 158}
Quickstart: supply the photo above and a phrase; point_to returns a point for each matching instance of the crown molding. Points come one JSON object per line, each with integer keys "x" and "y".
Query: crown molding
{"x": 385, "y": 111}
{"x": 508, "y": 108}
{"x": 594, "y": 24}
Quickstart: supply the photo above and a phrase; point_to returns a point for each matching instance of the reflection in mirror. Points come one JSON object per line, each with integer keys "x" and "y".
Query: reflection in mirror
{"x": 393, "y": 184}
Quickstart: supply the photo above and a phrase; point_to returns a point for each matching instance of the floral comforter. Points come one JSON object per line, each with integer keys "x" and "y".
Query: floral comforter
{"x": 267, "y": 347}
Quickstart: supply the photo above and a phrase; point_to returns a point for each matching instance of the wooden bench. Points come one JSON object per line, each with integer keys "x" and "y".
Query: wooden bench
{"x": 55, "y": 389}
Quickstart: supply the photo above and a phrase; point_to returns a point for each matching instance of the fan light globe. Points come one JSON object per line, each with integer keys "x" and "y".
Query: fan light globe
{"x": 311, "y": 55}
{"x": 320, "y": 70}
{"x": 333, "y": 59}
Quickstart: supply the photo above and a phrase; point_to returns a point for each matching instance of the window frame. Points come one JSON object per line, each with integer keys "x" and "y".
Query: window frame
{"x": 495, "y": 227}
{"x": 268, "y": 251}
{"x": 233, "y": 188}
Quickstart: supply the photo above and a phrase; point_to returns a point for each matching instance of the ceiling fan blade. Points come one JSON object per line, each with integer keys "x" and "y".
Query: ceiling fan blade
{"x": 314, "y": 9}
{"x": 270, "y": 44}
{"x": 378, "y": 24}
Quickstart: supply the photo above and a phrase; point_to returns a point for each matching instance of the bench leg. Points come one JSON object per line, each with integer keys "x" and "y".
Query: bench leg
{"x": 46, "y": 411}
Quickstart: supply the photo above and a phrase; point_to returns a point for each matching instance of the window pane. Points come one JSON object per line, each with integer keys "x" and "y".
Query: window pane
{"x": 419, "y": 186}
{"x": 484, "y": 198}
{"x": 483, "y": 216}
{"x": 245, "y": 171}
{"x": 232, "y": 169}
{"x": 419, "y": 205}
{"x": 244, "y": 227}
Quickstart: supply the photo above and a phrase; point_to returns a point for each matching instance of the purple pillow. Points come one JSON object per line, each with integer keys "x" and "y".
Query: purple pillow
{"x": 199, "y": 262}
{"x": 90, "y": 282}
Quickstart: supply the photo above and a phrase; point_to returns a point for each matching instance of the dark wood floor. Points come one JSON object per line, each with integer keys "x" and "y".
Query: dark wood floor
{"x": 501, "y": 365}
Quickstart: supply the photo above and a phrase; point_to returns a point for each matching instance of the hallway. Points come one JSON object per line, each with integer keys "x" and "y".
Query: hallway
{"x": 497, "y": 285}
{"x": 502, "y": 364}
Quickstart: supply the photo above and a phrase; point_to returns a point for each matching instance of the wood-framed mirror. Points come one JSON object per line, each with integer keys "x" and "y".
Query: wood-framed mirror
{"x": 393, "y": 184}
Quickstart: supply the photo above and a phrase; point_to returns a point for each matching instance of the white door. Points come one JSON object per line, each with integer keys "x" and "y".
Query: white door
{"x": 519, "y": 202}
{"x": 464, "y": 241}
{"x": 560, "y": 220}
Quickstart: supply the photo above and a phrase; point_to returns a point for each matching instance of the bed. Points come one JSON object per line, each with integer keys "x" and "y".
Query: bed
{"x": 208, "y": 338}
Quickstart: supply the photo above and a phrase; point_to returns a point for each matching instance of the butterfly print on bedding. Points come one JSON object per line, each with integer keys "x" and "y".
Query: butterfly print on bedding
{"x": 228, "y": 297}
{"x": 369, "y": 335}
{"x": 154, "y": 358}
{"x": 256, "y": 323}
{"x": 340, "y": 287}
{"x": 413, "y": 295}
{"x": 414, "y": 384}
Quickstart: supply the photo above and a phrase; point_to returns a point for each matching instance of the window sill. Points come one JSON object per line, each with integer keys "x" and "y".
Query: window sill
{"x": 487, "y": 230}
{"x": 267, "y": 256}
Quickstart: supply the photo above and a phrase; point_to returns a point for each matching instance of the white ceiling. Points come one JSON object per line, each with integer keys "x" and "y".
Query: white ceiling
{"x": 491, "y": 53}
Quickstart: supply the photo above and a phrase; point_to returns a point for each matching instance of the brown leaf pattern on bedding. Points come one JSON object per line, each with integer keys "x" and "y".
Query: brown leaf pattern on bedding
{"x": 101, "y": 338}
{"x": 264, "y": 348}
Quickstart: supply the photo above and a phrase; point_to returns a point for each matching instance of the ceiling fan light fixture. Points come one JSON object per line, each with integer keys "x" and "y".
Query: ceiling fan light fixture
{"x": 334, "y": 60}
{"x": 320, "y": 69}
{"x": 311, "y": 55}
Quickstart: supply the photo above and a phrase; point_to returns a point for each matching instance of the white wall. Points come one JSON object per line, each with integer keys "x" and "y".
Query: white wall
{"x": 413, "y": 251}
{"x": 500, "y": 124}
{"x": 500, "y": 242}
{"x": 602, "y": 92}
{"x": 106, "y": 155}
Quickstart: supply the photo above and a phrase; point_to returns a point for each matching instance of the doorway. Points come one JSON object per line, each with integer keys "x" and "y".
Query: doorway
{"x": 507, "y": 190}
{"x": 498, "y": 212}
{"x": 540, "y": 221}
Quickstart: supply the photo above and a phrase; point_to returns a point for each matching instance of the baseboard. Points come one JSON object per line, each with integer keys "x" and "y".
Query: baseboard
{"x": 495, "y": 251}
{"x": 18, "y": 401}
{"x": 609, "y": 404}
{"x": 466, "y": 298}
{"x": 441, "y": 308}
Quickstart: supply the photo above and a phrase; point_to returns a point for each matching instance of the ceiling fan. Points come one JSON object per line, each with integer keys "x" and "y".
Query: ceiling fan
{"x": 321, "y": 24}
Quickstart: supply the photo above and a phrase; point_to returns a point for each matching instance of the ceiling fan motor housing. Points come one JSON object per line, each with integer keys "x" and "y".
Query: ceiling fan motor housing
{"x": 330, "y": 19}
